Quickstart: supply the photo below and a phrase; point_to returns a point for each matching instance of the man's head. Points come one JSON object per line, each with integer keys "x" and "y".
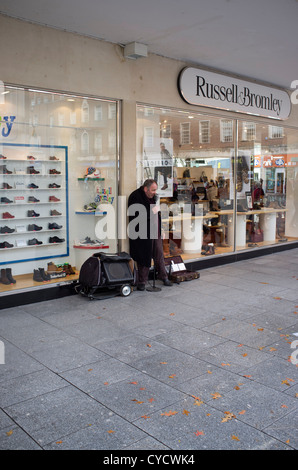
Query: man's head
{"x": 150, "y": 188}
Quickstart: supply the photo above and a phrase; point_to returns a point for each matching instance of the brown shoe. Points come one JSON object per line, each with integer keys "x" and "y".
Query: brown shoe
{"x": 52, "y": 268}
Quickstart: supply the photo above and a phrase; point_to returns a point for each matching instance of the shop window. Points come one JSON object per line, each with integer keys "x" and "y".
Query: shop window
{"x": 58, "y": 182}
{"x": 197, "y": 183}
{"x": 204, "y": 132}
{"x": 275, "y": 132}
{"x": 248, "y": 131}
{"x": 185, "y": 133}
{"x": 226, "y": 130}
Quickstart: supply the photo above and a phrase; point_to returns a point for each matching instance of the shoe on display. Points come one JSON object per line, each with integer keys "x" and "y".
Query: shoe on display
{"x": 45, "y": 276}
{"x": 54, "y": 226}
{"x": 9, "y": 276}
{"x": 33, "y": 199}
{"x": 54, "y": 185}
{"x": 6, "y": 245}
{"x": 53, "y": 158}
{"x": 6, "y": 229}
{"x": 88, "y": 241}
{"x": 54, "y": 172}
{"x": 56, "y": 240}
{"x": 32, "y": 214}
{"x": 6, "y": 186}
{"x": 68, "y": 269}
{"x": 5, "y": 200}
{"x": 32, "y": 186}
{"x": 37, "y": 276}
{"x": 31, "y": 171}
{"x": 34, "y": 228}
{"x": 7, "y": 215}
{"x": 4, "y": 170}
{"x": 52, "y": 268}
{"x": 30, "y": 157}
{"x": 54, "y": 212}
{"x": 4, "y": 279}
{"x": 53, "y": 199}
{"x": 90, "y": 207}
{"x": 2, "y": 157}
{"x": 34, "y": 241}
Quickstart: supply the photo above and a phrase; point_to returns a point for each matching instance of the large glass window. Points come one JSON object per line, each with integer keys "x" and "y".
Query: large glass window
{"x": 58, "y": 183}
{"x": 202, "y": 169}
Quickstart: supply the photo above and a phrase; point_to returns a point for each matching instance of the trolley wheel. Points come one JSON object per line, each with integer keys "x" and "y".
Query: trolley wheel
{"x": 125, "y": 290}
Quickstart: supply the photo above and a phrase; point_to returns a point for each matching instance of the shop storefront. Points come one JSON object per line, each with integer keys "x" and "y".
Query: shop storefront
{"x": 223, "y": 151}
{"x": 58, "y": 181}
{"x": 226, "y": 185}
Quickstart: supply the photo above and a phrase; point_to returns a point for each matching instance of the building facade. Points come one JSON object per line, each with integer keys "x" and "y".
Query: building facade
{"x": 82, "y": 127}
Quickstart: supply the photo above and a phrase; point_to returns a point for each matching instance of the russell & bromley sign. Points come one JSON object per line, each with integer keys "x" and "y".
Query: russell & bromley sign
{"x": 203, "y": 88}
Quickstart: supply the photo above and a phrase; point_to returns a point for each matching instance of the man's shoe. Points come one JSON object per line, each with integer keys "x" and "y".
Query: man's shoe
{"x": 6, "y": 229}
{"x": 141, "y": 287}
{"x": 33, "y": 199}
{"x": 37, "y": 276}
{"x": 56, "y": 240}
{"x": 5, "y": 200}
{"x": 32, "y": 214}
{"x": 53, "y": 199}
{"x": 34, "y": 241}
{"x": 167, "y": 282}
{"x": 6, "y": 245}
{"x": 32, "y": 186}
{"x": 45, "y": 276}
{"x": 54, "y": 226}
{"x": 6, "y": 186}
{"x": 7, "y": 215}
{"x": 34, "y": 228}
{"x": 54, "y": 212}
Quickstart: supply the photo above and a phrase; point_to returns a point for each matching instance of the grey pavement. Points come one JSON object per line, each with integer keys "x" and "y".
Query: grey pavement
{"x": 205, "y": 364}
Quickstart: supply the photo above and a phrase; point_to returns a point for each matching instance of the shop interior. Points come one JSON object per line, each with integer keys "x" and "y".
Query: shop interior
{"x": 217, "y": 198}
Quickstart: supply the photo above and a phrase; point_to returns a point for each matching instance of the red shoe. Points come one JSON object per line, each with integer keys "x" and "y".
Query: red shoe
{"x": 53, "y": 199}
{"x": 7, "y": 215}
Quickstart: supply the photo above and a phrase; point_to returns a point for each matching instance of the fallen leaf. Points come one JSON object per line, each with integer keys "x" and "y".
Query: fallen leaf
{"x": 244, "y": 355}
{"x": 228, "y": 417}
{"x": 149, "y": 345}
{"x": 172, "y": 314}
{"x": 89, "y": 370}
{"x": 142, "y": 388}
{"x": 59, "y": 442}
{"x": 185, "y": 412}
{"x": 151, "y": 400}
{"x": 260, "y": 329}
{"x": 284, "y": 406}
{"x": 9, "y": 433}
{"x": 209, "y": 372}
{"x": 215, "y": 396}
{"x": 134, "y": 383}
{"x": 145, "y": 417}
{"x": 163, "y": 362}
{"x": 247, "y": 376}
{"x": 169, "y": 413}
{"x": 198, "y": 403}
{"x": 242, "y": 412}
{"x": 137, "y": 401}
{"x": 111, "y": 431}
{"x": 236, "y": 387}
{"x": 277, "y": 298}
{"x": 199, "y": 433}
{"x": 106, "y": 383}
{"x": 235, "y": 438}
{"x": 172, "y": 376}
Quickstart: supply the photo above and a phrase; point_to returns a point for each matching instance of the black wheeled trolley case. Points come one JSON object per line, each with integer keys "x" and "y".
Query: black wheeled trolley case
{"x": 105, "y": 275}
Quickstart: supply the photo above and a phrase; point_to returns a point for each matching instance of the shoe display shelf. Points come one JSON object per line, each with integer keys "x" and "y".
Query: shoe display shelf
{"x": 33, "y": 190}
{"x": 92, "y": 212}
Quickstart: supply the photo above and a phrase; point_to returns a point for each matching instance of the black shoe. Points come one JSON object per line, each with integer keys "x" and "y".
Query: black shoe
{"x": 34, "y": 241}
{"x": 54, "y": 226}
{"x": 44, "y": 275}
{"x": 5, "y": 200}
{"x": 9, "y": 276}
{"x": 32, "y": 214}
{"x": 37, "y": 276}
{"x": 34, "y": 228}
{"x": 6, "y": 229}
{"x": 6, "y": 245}
{"x": 141, "y": 287}
{"x": 4, "y": 279}
{"x": 167, "y": 282}
{"x": 32, "y": 186}
{"x": 54, "y": 185}
{"x": 56, "y": 240}
{"x": 6, "y": 186}
{"x": 33, "y": 199}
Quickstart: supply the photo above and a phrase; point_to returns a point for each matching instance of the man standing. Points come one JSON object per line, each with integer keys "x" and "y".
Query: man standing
{"x": 145, "y": 240}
